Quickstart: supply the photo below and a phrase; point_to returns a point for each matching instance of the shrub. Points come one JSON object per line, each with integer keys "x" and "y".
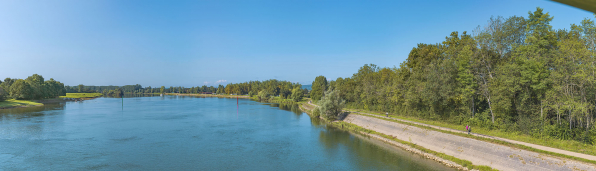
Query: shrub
{"x": 331, "y": 105}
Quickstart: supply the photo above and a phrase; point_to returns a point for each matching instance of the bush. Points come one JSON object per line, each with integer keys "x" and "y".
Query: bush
{"x": 263, "y": 95}
{"x": 316, "y": 112}
{"x": 297, "y": 94}
{"x": 331, "y": 105}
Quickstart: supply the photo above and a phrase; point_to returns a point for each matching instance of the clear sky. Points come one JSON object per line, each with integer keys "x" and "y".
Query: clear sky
{"x": 191, "y": 43}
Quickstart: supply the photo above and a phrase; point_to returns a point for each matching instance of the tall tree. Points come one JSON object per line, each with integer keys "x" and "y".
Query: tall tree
{"x": 319, "y": 86}
{"x": 21, "y": 89}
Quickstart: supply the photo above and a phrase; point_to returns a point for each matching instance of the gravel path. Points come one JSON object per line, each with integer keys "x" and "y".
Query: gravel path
{"x": 545, "y": 148}
{"x": 478, "y": 152}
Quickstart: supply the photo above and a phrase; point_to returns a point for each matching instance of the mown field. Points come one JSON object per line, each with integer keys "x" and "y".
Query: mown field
{"x": 14, "y": 103}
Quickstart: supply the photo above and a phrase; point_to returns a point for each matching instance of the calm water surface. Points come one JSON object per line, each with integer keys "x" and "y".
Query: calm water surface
{"x": 186, "y": 133}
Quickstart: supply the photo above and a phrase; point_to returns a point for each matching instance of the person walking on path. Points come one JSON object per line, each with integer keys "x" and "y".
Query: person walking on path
{"x": 468, "y": 129}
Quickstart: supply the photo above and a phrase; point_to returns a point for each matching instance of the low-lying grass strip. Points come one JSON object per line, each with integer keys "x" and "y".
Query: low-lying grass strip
{"x": 495, "y": 141}
{"x": 81, "y": 95}
{"x": 15, "y": 103}
{"x": 464, "y": 163}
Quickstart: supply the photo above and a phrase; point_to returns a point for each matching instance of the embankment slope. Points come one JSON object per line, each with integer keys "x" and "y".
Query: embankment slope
{"x": 478, "y": 152}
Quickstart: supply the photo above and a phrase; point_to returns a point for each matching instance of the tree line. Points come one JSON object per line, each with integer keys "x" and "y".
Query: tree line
{"x": 264, "y": 89}
{"x": 515, "y": 74}
{"x": 33, "y": 87}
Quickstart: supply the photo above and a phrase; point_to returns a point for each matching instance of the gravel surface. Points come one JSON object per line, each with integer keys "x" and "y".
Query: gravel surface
{"x": 478, "y": 152}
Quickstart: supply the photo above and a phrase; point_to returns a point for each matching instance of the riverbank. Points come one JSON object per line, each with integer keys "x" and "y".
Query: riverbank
{"x": 467, "y": 152}
{"x": 568, "y": 147}
{"x": 81, "y": 95}
{"x": 211, "y": 95}
{"x": 13, "y": 103}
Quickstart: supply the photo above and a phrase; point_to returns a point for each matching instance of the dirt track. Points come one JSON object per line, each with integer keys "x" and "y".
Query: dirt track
{"x": 478, "y": 152}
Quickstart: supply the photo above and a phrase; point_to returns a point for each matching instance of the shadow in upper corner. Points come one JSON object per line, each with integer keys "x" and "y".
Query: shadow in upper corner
{"x": 342, "y": 116}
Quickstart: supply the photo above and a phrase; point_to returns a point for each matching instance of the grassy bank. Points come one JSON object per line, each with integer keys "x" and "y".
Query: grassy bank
{"x": 463, "y": 163}
{"x": 568, "y": 145}
{"x": 81, "y": 95}
{"x": 358, "y": 129}
{"x": 283, "y": 101}
{"x": 490, "y": 140}
{"x": 18, "y": 103}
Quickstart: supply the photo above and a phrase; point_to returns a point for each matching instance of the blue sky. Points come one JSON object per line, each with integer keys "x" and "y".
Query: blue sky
{"x": 191, "y": 43}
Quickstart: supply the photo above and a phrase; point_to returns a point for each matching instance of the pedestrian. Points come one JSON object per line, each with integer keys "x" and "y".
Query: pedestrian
{"x": 467, "y": 129}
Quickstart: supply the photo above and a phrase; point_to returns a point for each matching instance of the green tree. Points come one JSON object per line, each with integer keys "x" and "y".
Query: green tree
{"x": 7, "y": 83}
{"x": 21, "y": 89}
{"x": 37, "y": 85}
{"x": 319, "y": 86}
{"x": 297, "y": 94}
{"x": 162, "y": 89}
{"x": 331, "y": 105}
{"x": 81, "y": 87}
{"x": 3, "y": 94}
{"x": 263, "y": 95}
{"x": 220, "y": 89}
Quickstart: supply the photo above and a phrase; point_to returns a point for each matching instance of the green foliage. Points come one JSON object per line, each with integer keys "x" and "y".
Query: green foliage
{"x": 319, "y": 86}
{"x": 34, "y": 87}
{"x": 316, "y": 112}
{"x": 297, "y": 94}
{"x": 514, "y": 74}
{"x": 21, "y": 90}
{"x": 331, "y": 105}
{"x": 221, "y": 89}
{"x": 3, "y": 94}
{"x": 263, "y": 95}
{"x": 7, "y": 83}
{"x": 272, "y": 87}
{"x": 37, "y": 85}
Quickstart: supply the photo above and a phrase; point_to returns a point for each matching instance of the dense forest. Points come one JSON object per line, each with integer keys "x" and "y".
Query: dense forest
{"x": 34, "y": 87}
{"x": 515, "y": 74}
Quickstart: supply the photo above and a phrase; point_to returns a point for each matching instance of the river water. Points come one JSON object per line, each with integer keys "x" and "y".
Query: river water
{"x": 187, "y": 133}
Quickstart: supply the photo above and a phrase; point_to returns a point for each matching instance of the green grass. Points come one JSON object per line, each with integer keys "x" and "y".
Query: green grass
{"x": 14, "y": 103}
{"x": 81, "y": 95}
{"x": 568, "y": 145}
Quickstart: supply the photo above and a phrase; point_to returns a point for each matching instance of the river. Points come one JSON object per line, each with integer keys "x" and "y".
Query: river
{"x": 187, "y": 133}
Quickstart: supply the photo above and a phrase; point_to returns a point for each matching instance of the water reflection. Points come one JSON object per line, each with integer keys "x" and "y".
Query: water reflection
{"x": 288, "y": 107}
{"x": 366, "y": 152}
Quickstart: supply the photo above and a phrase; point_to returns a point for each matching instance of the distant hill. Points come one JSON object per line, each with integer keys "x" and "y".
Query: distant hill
{"x": 309, "y": 87}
